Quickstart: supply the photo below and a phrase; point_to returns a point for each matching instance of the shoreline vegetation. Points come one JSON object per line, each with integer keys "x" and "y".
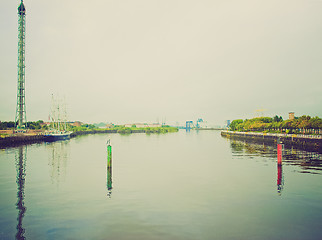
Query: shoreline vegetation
{"x": 299, "y": 125}
{"x": 35, "y": 132}
{"x": 122, "y": 130}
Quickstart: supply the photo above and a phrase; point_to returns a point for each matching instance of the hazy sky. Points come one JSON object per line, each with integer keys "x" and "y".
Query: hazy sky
{"x": 127, "y": 61}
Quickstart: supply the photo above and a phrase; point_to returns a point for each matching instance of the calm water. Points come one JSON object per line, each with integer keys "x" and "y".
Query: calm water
{"x": 194, "y": 185}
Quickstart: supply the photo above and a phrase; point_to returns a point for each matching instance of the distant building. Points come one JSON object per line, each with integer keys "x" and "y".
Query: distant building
{"x": 44, "y": 124}
{"x": 76, "y": 124}
{"x": 291, "y": 115}
{"x": 109, "y": 125}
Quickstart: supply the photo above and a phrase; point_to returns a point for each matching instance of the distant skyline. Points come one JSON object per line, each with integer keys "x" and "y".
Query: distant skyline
{"x": 175, "y": 60}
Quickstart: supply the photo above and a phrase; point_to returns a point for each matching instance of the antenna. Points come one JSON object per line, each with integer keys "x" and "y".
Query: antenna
{"x": 21, "y": 104}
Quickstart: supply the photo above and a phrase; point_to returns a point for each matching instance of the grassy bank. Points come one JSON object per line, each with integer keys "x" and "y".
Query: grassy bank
{"x": 122, "y": 130}
{"x": 147, "y": 130}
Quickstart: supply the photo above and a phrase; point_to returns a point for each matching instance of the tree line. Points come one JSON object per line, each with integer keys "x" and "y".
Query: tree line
{"x": 30, "y": 125}
{"x": 148, "y": 130}
{"x": 303, "y": 124}
{"x": 41, "y": 125}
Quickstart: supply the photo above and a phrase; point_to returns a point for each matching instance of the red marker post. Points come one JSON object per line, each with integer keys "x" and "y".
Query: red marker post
{"x": 279, "y": 154}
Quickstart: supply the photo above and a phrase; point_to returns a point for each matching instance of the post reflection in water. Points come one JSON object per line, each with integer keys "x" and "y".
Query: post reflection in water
{"x": 21, "y": 174}
{"x": 308, "y": 162}
{"x": 109, "y": 182}
{"x": 58, "y": 156}
{"x": 280, "y": 181}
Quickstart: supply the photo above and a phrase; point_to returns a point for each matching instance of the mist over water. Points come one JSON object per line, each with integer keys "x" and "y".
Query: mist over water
{"x": 185, "y": 185}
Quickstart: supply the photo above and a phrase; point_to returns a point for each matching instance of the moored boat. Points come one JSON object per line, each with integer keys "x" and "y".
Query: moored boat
{"x": 57, "y": 136}
{"x": 58, "y": 129}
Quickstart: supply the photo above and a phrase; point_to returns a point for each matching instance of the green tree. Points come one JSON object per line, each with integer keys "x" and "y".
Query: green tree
{"x": 277, "y": 119}
{"x": 7, "y": 125}
{"x": 235, "y": 124}
{"x": 265, "y": 119}
{"x": 316, "y": 123}
{"x": 277, "y": 123}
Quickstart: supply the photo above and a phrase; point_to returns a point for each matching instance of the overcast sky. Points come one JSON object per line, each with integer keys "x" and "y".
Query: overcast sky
{"x": 126, "y": 61}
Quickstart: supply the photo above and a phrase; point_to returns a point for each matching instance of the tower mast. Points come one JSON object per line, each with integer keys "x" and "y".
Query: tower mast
{"x": 21, "y": 105}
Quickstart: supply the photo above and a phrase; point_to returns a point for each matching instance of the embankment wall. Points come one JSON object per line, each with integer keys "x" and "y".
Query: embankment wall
{"x": 16, "y": 140}
{"x": 30, "y": 138}
{"x": 305, "y": 142}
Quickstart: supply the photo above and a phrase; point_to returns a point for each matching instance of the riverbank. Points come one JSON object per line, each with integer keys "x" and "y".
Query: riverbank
{"x": 20, "y": 139}
{"x": 305, "y": 142}
{"x": 31, "y": 137}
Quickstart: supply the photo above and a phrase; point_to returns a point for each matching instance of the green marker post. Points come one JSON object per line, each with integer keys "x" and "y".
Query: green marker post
{"x": 109, "y": 181}
{"x": 109, "y": 154}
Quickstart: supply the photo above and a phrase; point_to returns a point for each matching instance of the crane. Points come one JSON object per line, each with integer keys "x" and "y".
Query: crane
{"x": 199, "y": 121}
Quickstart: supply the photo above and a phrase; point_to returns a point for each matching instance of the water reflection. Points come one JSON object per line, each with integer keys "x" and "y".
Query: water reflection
{"x": 280, "y": 180}
{"x": 58, "y": 156}
{"x": 109, "y": 182}
{"x": 309, "y": 162}
{"x": 21, "y": 175}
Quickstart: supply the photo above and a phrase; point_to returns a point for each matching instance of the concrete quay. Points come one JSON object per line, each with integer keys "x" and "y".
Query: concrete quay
{"x": 305, "y": 142}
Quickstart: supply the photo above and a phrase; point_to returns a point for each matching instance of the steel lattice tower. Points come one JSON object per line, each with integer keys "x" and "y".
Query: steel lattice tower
{"x": 21, "y": 105}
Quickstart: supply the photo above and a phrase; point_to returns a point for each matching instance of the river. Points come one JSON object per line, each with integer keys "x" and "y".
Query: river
{"x": 184, "y": 185}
